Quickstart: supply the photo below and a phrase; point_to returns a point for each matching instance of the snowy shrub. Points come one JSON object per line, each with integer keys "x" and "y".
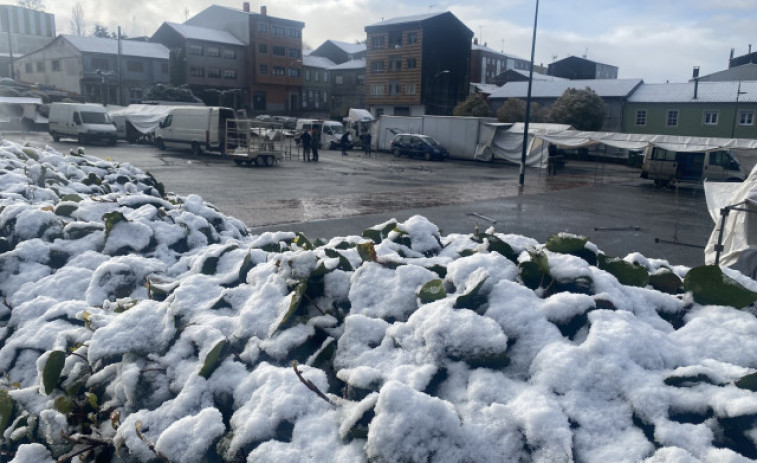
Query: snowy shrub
{"x": 137, "y": 325}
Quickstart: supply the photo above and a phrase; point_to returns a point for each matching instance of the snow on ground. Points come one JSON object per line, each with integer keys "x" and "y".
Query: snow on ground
{"x": 140, "y": 325}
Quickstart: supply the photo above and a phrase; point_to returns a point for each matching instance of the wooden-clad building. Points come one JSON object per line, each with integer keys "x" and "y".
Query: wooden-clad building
{"x": 417, "y": 65}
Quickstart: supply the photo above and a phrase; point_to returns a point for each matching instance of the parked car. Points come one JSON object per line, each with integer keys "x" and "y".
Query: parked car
{"x": 417, "y": 145}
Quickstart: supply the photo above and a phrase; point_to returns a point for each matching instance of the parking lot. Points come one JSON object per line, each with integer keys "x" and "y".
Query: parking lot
{"x": 341, "y": 195}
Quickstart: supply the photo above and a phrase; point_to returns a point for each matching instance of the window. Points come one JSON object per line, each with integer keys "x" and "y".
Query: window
{"x": 719, "y": 158}
{"x": 307, "y": 75}
{"x": 293, "y": 53}
{"x": 197, "y": 72}
{"x": 229, "y": 53}
{"x": 710, "y": 118}
{"x": 377, "y": 89}
{"x": 40, "y": 66}
{"x": 412, "y": 63}
{"x": 395, "y": 63}
{"x": 395, "y": 39}
{"x": 361, "y": 79}
{"x": 395, "y": 87}
{"x": 278, "y": 30}
{"x": 746, "y": 118}
{"x": 641, "y": 117}
{"x": 263, "y": 48}
{"x": 377, "y": 67}
{"x": 258, "y": 101}
{"x": 195, "y": 50}
{"x": 672, "y": 118}
{"x": 279, "y": 71}
{"x": 214, "y": 73}
{"x": 213, "y": 51}
{"x": 412, "y": 37}
{"x": 316, "y": 76}
{"x": 101, "y": 63}
{"x": 229, "y": 74}
{"x": 325, "y": 76}
{"x": 660, "y": 154}
{"x": 294, "y": 33}
{"x": 409, "y": 89}
{"x": 262, "y": 69}
{"x": 28, "y": 67}
{"x": 56, "y": 65}
{"x": 134, "y": 66}
{"x": 263, "y": 27}
{"x": 294, "y": 72}
{"x": 378, "y": 41}
{"x": 278, "y": 51}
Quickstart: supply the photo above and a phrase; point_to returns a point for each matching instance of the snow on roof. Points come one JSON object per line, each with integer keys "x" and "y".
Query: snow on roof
{"x": 110, "y": 46}
{"x": 407, "y": 19}
{"x": 204, "y": 33}
{"x": 317, "y": 61}
{"x": 555, "y": 88}
{"x": 352, "y": 64}
{"x": 485, "y": 88}
{"x": 708, "y": 92}
{"x": 485, "y": 48}
{"x": 347, "y": 47}
{"x": 19, "y": 100}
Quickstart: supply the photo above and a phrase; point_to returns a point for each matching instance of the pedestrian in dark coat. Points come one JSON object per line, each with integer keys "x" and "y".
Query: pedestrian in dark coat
{"x": 367, "y": 144}
{"x": 305, "y": 139}
{"x": 344, "y": 142}
{"x": 315, "y": 142}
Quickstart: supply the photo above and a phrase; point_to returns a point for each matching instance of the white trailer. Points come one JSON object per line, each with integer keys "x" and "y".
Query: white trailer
{"x": 253, "y": 142}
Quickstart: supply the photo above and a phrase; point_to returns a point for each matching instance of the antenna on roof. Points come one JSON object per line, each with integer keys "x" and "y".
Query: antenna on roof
{"x": 554, "y": 58}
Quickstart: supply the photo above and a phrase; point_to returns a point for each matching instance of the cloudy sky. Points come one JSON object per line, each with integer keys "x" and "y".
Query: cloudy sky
{"x": 656, "y": 40}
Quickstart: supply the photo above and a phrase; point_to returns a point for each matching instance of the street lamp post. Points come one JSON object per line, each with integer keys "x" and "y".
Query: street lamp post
{"x": 528, "y": 103}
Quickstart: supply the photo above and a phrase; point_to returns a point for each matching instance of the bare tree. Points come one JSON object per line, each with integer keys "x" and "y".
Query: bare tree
{"x": 78, "y": 25}
{"x": 32, "y": 4}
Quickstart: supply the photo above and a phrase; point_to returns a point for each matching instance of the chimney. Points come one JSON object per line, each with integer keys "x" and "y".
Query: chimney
{"x": 263, "y": 10}
{"x": 696, "y": 81}
{"x": 475, "y": 40}
{"x": 246, "y": 7}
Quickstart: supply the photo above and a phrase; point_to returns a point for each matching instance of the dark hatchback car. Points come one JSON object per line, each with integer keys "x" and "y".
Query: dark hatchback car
{"x": 417, "y": 145}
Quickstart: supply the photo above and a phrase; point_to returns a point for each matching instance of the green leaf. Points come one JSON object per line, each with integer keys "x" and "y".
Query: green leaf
{"x": 72, "y": 197}
{"x": 245, "y": 268}
{"x": 627, "y": 273}
{"x": 367, "y": 251}
{"x": 565, "y": 243}
{"x": 432, "y": 291}
{"x": 92, "y": 179}
{"x": 52, "y": 370}
{"x": 294, "y": 305}
{"x": 373, "y": 235}
{"x": 212, "y": 359}
{"x": 64, "y": 404}
{"x": 301, "y": 241}
{"x": 665, "y": 280}
{"x": 499, "y": 246}
{"x": 210, "y": 265}
{"x": 344, "y": 263}
{"x": 748, "y": 382}
{"x": 473, "y": 299}
{"x": 710, "y": 286}
{"x": 111, "y": 219}
{"x": 6, "y": 410}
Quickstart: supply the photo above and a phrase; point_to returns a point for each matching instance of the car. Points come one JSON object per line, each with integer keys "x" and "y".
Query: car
{"x": 417, "y": 145}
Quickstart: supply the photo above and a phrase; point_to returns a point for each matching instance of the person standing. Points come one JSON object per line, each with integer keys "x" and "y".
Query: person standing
{"x": 344, "y": 142}
{"x": 367, "y": 144}
{"x": 315, "y": 141}
{"x": 305, "y": 139}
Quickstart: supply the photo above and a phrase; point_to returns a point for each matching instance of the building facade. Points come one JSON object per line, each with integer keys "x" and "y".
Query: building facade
{"x": 316, "y": 86}
{"x": 274, "y": 55}
{"x": 486, "y": 64}
{"x": 575, "y": 68}
{"x": 703, "y": 109}
{"x": 417, "y": 65}
{"x": 340, "y": 52}
{"x": 100, "y": 70}
{"x": 22, "y": 30}
{"x": 212, "y": 62}
{"x": 347, "y": 87}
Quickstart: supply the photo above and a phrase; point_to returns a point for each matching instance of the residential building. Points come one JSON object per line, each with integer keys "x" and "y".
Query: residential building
{"x": 316, "y": 86}
{"x": 749, "y": 58}
{"x": 417, "y": 65}
{"x": 340, "y": 52}
{"x": 519, "y": 75}
{"x": 347, "y": 87}
{"x": 212, "y": 62}
{"x": 101, "y": 70}
{"x": 274, "y": 54}
{"x": 746, "y": 71}
{"x": 22, "y": 30}
{"x": 614, "y": 93}
{"x": 576, "y": 68}
{"x": 486, "y": 64}
{"x": 702, "y": 109}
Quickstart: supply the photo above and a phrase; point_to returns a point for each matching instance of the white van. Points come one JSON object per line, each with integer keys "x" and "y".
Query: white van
{"x": 331, "y": 131}
{"x": 197, "y": 128}
{"x": 669, "y": 167}
{"x": 86, "y": 122}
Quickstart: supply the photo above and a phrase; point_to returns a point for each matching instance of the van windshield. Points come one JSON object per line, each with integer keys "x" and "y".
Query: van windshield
{"x": 337, "y": 129}
{"x": 95, "y": 118}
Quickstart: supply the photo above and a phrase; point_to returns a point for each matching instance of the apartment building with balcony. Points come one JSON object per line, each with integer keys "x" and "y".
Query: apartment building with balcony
{"x": 273, "y": 57}
{"x": 417, "y": 65}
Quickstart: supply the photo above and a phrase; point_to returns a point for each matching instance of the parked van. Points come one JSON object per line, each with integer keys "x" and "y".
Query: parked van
{"x": 668, "y": 167}
{"x": 331, "y": 131}
{"x": 86, "y": 122}
{"x": 197, "y": 128}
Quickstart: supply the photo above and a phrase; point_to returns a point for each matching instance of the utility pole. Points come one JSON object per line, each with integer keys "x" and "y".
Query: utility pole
{"x": 522, "y": 179}
{"x": 10, "y": 48}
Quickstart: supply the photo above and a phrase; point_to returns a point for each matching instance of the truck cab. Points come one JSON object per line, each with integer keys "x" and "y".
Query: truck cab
{"x": 668, "y": 167}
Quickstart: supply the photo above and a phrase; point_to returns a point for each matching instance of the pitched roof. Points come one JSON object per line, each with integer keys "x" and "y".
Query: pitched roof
{"x": 249, "y": 13}
{"x": 707, "y": 92}
{"x": 406, "y": 19}
{"x": 204, "y": 33}
{"x": 317, "y": 61}
{"x": 606, "y": 88}
{"x": 488, "y": 49}
{"x": 110, "y": 46}
{"x": 352, "y": 64}
{"x": 349, "y": 48}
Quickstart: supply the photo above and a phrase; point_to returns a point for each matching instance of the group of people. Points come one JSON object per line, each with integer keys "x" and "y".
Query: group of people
{"x": 311, "y": 140}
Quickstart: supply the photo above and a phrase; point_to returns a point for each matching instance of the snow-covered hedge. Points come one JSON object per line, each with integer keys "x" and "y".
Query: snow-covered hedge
{"x": 140, "y": 326}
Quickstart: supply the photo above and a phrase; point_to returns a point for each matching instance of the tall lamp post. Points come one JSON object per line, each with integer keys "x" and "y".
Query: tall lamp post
{"x": 528, "y": 103}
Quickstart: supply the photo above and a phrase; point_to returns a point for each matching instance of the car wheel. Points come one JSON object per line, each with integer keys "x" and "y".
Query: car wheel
{"x": 396, "y": 152}
{"x": 196, "y": 148}
{"x": 81, "y": 139}
{"x": 56, "y": 137}
{"x": 427, "y": 156}
{"x": 113, "y": 141}
{"x": 268, "y": 161}
{"x": 161, "y": 145}
{"x": 238, "y": 162}
{"x": 332, "y": 146}
{"x": 259, "y": 161}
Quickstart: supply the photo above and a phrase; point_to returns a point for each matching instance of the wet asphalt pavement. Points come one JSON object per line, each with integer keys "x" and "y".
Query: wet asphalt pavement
{"x": 342, "y": 195}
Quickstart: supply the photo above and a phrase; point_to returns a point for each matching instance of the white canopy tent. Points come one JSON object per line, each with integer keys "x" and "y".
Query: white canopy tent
{"x": 144, "y": 118}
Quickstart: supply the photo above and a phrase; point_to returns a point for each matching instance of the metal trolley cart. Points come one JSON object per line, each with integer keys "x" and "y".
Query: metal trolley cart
{"x": 260, "y": 143}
